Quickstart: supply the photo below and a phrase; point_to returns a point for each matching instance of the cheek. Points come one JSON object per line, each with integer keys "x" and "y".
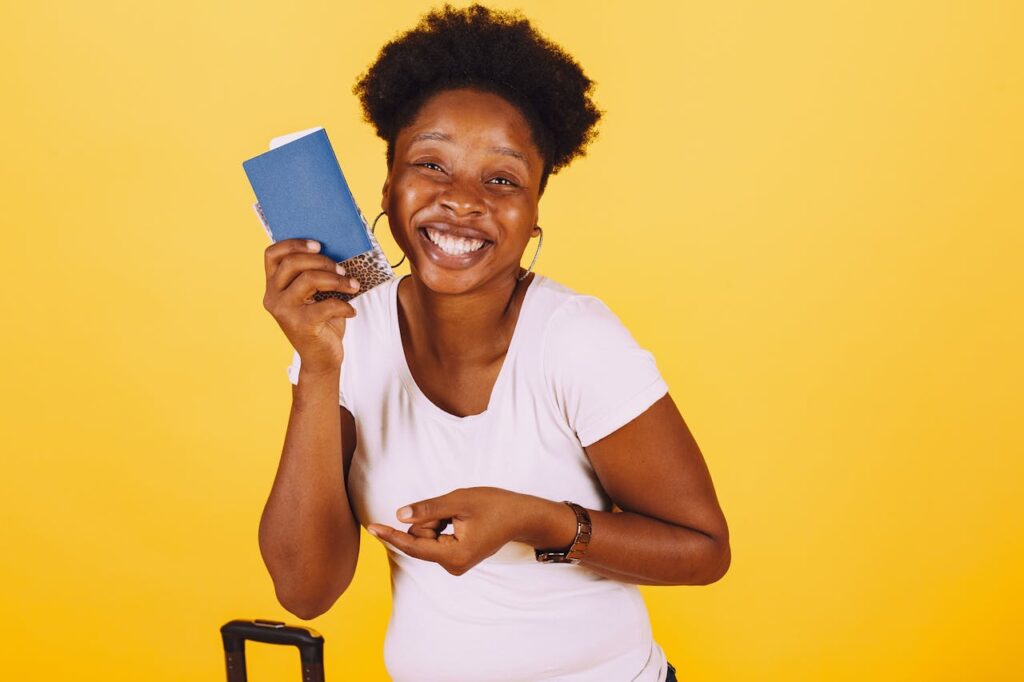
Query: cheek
{"x": 410, "y": 194}
{"x": 522, "y": 213}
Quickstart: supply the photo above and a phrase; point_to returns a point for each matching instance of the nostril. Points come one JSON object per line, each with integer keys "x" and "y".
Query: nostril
{"x": 462, "y": 202}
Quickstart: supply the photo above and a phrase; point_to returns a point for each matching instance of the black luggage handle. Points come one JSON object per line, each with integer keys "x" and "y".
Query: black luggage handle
{"x": 309, "y": 641}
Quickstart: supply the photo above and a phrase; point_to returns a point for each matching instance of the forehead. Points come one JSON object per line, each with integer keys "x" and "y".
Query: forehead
{"x": 471, "y": 117}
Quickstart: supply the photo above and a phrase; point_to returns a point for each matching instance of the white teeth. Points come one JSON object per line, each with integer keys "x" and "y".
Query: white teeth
{"x": 453, "y": 246}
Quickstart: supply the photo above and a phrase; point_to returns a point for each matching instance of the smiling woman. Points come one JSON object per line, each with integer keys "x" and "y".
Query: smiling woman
{"x": 476, "y": 397}
{"x": 467, "y": 154}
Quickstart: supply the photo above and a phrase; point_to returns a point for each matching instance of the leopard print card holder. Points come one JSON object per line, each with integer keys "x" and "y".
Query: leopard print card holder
{"x": 371, "y": 267}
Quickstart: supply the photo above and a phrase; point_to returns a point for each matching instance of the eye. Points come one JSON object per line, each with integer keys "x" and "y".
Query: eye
{"x": 431, "y": 163}
{"x": 505, "y": 181}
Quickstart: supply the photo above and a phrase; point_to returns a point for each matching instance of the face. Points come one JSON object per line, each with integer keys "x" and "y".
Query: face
{"x": 462, "y": 192}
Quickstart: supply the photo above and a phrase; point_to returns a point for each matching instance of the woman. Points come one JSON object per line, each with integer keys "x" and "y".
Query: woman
{"x": 476, "y": 395}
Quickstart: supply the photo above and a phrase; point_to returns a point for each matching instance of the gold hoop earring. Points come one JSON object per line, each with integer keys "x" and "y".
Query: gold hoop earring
{"x": 536, "y": 253}
{"x": 374, "y": 227}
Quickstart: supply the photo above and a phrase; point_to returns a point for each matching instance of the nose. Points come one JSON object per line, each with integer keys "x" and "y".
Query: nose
{"x": 462, "y": 199}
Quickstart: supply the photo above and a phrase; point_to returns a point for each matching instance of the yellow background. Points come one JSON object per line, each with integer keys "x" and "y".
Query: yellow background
{"x": 809, "y": 211}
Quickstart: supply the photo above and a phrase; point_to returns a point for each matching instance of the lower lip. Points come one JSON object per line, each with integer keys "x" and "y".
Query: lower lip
{"x": 446, "y": 260}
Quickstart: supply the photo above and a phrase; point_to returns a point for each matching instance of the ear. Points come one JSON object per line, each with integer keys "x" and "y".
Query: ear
{"x": 384, "y": 194}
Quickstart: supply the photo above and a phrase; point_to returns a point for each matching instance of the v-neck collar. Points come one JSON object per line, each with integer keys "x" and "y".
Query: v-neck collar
{"x": 409, "y": 381}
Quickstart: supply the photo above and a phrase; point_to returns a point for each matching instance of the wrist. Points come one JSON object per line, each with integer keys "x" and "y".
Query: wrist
{"x": 312, "y": 370}
{"x": 310, "y": 375}
{"x": 546, "y": 524}
{"x": 315, "y": 387}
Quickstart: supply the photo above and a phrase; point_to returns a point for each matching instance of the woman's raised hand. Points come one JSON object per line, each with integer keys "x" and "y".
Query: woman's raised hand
{"x": 315, "y": 328}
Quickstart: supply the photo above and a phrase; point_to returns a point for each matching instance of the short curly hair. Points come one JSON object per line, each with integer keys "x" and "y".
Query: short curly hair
{"x": 488, "y": 50}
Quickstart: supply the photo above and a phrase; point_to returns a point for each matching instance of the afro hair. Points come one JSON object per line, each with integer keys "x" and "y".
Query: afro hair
{"x": 497, "y": 52}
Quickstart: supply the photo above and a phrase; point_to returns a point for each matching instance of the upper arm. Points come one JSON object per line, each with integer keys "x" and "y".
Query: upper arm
{"x": 612, "y": 396}
{"x": 653, "y": 466}
{"x": 348, "y": 442}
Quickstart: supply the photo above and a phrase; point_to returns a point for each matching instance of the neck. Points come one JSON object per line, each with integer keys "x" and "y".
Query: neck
{"x": 454, "y": 330}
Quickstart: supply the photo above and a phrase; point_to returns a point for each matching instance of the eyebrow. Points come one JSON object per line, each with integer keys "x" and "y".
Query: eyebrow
{"x": 444, "y": 137}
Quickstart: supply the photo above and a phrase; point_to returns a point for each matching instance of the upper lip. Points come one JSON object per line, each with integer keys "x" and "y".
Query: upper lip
{"x": 456, "y": 230}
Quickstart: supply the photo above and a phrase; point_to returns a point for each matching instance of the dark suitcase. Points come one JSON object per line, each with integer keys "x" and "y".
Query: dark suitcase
{"x": 309, "y": 641}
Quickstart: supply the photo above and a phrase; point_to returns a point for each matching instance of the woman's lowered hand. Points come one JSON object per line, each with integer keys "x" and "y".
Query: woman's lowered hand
{"x": 484, "y": 519}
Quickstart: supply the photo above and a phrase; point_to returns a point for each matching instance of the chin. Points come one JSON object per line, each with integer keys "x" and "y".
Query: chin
{"x": 446, "y": 281}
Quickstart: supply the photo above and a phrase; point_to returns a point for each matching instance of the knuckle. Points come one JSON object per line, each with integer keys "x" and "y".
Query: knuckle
{"x": 271, "y": 302}
{"x": 279, "y": 250}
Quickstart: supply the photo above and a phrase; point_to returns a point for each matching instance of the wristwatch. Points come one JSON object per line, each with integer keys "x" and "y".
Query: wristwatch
{"x": 575, "y": 551}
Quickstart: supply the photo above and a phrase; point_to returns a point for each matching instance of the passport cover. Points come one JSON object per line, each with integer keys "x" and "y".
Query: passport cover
{"x": 302, "y": 193}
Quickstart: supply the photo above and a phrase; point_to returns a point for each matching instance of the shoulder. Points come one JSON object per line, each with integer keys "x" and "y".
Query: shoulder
{"x": 581, "y": 333}
{"x": 561, "y": 302}
{"x": 599, "y": 375}
{"x": 574, "y": 318}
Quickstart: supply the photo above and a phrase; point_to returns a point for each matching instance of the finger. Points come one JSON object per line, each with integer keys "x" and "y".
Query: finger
{"x": 273, "y": 254}
{"x": 294, "y": 264}
{"x": 446, "y": 506}
{"x": 308, "y": 282}
{"x": 422, "y": 532}
{"x": 420, "y": 548}
{"x": 327, "y": 309}
{"x": 430, "y": 530}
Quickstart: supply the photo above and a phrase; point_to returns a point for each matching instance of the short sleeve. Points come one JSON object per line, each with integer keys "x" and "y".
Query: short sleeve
{"x": 293, "y": 376}
{"x": 600, "y": 376}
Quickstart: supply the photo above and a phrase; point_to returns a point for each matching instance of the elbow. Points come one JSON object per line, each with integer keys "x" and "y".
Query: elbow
{"x": 307, "y": 587}
{"x": 306, "y": 606}
{"x": 303, "y": 611}
{"x": 705, "y": 562}
{"x": 310, "y": 597}
{"x": 720, "y": 562}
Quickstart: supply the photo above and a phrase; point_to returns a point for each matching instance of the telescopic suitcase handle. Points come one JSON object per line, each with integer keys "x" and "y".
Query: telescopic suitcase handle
{"x": 309, "y": 641}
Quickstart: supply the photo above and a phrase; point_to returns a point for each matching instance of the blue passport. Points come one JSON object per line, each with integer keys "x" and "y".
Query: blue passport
{"x": 302, "y": 192}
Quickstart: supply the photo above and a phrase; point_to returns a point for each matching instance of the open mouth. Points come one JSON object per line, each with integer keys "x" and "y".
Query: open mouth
{"x": 451, "y": 245}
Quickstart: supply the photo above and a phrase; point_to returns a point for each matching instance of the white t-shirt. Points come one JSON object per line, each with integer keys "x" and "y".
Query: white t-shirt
{"x": 572, "y": 375}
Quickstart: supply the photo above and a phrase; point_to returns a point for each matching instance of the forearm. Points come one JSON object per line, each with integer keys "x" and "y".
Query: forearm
{"x": 308, "y": 535}
{"x": 628, "y": 547}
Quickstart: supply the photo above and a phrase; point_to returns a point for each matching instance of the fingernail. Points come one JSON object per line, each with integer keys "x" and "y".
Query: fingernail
{"x": 340, "y": 268}
{"x": 312, "y": 245}
{"x": 354, "y": 282}
{"x": 372, "y": 532}
{"x": 404, "y": 513}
